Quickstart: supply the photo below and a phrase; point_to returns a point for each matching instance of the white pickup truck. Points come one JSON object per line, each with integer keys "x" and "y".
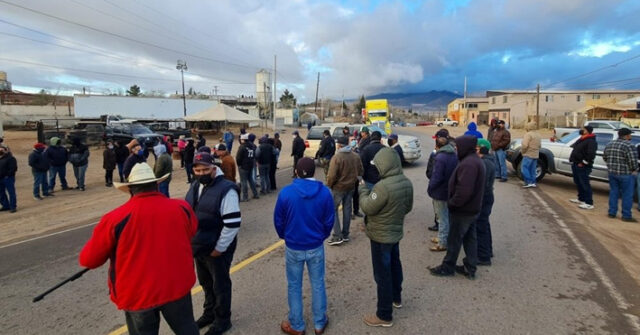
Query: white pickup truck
{"x": 446, "y": 122}
{"x": 596, "y": 124}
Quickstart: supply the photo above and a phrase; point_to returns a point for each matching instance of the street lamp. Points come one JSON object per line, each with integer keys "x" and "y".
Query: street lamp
{"x": 182, "y": 66}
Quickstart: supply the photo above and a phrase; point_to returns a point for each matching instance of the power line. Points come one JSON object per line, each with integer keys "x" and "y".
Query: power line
{"x": 125, "y": 37}
{"x": 596, "y": 70}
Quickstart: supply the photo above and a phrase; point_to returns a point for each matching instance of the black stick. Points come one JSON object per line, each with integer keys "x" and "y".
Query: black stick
{"x": 72, "y": 278}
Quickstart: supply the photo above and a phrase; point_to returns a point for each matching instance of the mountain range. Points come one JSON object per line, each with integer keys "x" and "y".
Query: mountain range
{"x": 432, "y": 100}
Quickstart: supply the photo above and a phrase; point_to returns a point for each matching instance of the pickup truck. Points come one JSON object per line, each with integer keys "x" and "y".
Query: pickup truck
{"x": 446, "y": 122}
{"x": 163, "y": 128}
{"x": 410, "y": 144}
{"x": 554, "y": 155}
{"x": 125, "y": 132}
{"x": 596, "y": 124}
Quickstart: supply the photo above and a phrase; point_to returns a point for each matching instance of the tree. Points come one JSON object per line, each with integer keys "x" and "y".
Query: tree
{"x": 43, "y": 98}
{"x": 362, "y": 103}
{"x": 287, "y": 99}
{"x": 134, "y": 91}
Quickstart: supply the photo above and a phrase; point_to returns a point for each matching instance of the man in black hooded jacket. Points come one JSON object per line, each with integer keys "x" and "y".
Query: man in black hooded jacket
{"x": 466, "y": 188}
{"x": 581, "y": 158}
{"x": 371, "y": 175}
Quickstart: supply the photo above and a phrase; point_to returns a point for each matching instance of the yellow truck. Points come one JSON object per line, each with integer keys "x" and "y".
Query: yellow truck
{"x": 377, "y": 114}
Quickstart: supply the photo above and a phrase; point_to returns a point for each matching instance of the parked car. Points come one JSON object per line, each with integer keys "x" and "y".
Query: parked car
{"x": 163, "y": 128}
{"x": 554, "y": 155}
{"x": 446, "y": 122}
{"x": 314, "y": 137}
{"x": 125, "y": 132}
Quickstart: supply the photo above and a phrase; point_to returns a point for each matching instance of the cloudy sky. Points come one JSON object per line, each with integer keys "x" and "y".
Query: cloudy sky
{"x": 359, "y": 47}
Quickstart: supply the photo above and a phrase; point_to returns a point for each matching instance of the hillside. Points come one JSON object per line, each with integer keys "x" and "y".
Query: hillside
{"x": 432, "y": 100}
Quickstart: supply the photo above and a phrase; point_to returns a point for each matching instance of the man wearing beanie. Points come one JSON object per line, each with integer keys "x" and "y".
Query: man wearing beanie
{"x": 214, "y": 199}
{"x": 581, "y": 158}
{"x": 483, "y": 227}
{"x": 303, "y": 217}
{"x": 371, "y": 175}
{"x": 622, "y": 162}
{"x": 39, "y": 167}
{"x": 385, "y": 207}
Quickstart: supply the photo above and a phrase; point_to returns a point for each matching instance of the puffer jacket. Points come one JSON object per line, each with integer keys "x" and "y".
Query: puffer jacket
{"x": 445, "y": 161}
{"x": 389, "y": 201}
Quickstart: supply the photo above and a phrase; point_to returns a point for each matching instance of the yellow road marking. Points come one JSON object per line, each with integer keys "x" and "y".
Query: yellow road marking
{"x": 234, "y": 269}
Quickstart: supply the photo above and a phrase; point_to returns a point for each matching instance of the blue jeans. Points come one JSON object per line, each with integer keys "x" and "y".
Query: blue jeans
{"x": 501, "y": 164}
{"x": 295, "y": 260}
{"x": 621, "y": 185}
{"x": 60, "y": 171}
{"x": 163, "y": 187}
{"x": 40, "y": 182}
{"x": 79, "y": 172}
{"x": 120, "y": 172}
{"x": 188, "y": 168}
{"x": 229, "y": 145}
{"x": 178, "y": 314}
{"x": 387, "y": 272}
{"x": 344, "y": 197}
{"x": 8, "y": 193}
{"x": 265, "y": 182}
{"x": 245, "y": 178}
{"x": 528, "y": 169}
{"x": 581, "y": 179}
{"x": 442, "y": 211}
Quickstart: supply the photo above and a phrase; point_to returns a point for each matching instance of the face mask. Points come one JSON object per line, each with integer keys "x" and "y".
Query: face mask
{"x": 354, "y": 143}
{"x": 110, "y": 146}
{"x": 140, "y": 152}
{"x": 204, "y": 179}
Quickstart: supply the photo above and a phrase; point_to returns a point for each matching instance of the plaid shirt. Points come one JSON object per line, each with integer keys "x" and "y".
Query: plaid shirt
{"x": 621, "y": 157}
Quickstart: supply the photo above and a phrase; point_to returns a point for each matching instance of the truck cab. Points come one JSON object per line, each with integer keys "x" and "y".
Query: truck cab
{"x": 377, "y": 114}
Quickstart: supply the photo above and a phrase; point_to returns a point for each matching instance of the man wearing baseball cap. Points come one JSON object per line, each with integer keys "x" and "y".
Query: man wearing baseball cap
{"x": 39, "y": 167}
{"x": 148, "y": 243}
{"x": 215, "y": 201}
{"x": 622, "y": 162}
{"x": 228, "y": 164}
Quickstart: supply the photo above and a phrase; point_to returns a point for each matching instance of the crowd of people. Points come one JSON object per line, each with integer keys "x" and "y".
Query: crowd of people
{"x": 153, "y": 241}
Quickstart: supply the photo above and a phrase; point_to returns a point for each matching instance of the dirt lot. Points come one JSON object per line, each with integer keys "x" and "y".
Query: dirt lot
{"x": 71, "y": 208}
{"x": 618, "y": 237}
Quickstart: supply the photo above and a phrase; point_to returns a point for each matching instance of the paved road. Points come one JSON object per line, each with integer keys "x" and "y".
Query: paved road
{"x": 540, "y": 281}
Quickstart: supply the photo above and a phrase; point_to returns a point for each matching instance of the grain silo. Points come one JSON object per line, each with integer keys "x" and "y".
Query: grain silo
{"x": 4, "y": 84}
{"x": 263, "y": 88}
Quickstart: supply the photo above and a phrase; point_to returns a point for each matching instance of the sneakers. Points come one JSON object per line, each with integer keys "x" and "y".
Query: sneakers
{"x": 586, "y": 206}
{"x": 440, "y": 271}
{"x": 285, "y": 326}
{"x": 484, "y": 263}
{"x": 345, "y": 239}
{"x": 37, "y": 198}
{"x": 611, "y": 216}
{"x": 204, "y": 321}
{"x": 576, "y": 201}
{"x": 530, "y": 186}
{"x": 374, "y": 321}
{"x": 463, "y": 271}
{"x": 335, "y": 241}
{"x": 397, "y": 304}
{"x": 629, "y": 220}
{"x": 434, "y": 227}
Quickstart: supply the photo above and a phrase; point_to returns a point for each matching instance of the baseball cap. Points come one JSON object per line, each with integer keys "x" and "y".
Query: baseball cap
{"x": 203, "y": 158}
{"x": 441, "y": 133}
{"x": 393, "y": 136}
{"x": 305, "y": 168}
{"x": 624, "y": 132}
{"x": 204, "y": 148}
{"x": 221, "y": 147}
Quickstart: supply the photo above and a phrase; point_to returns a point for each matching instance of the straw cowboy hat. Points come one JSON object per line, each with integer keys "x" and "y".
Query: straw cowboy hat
{"x": 140, "y": 174}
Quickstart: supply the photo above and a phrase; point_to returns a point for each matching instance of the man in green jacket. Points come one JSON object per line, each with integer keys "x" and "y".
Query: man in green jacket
{"x": 385, "y": 207}
{"x": 164, "y": 165}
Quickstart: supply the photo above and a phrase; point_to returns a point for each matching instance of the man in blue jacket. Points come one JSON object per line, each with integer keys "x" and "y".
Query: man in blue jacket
{"x": 303, "y": 217}
{"x": 445, "y": 161}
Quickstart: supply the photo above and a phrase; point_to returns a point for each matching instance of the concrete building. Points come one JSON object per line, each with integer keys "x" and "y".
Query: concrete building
{"x": 472, "y": 109}
{"x": 557, "y": 108}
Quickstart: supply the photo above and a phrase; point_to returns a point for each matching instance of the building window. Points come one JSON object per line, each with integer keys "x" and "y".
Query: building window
{"x": 504, "y": 99}
{"x": 493, "y": 100}
{"x": 629, "y": 96}
{"x": 546, "y": 98}
{"x": 578, "y": 98}
{"x": 596, "y": 96}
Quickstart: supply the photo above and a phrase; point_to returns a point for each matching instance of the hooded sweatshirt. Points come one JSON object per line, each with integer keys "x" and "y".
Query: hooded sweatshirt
{"x": 531, "y": 142}
{"x": 56, "y": 154}
{"x": 444, "y": 162}
{"x": 466, "y": 185}
{"x": 472, "y": 129}
{"x": 304, "y": 214}
{"x": 344, "y": 169}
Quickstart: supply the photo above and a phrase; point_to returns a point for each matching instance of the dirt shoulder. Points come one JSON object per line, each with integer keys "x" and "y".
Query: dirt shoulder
{"x": 72, "y": 208}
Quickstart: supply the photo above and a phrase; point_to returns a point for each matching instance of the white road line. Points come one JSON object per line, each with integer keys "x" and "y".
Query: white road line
{"x": 80, "y": 227}
{"x": 621, "y": 302}
{"x": 48, "y": 235}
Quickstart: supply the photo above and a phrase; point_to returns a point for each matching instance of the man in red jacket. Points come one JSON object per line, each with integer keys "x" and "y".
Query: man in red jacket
{"x": 148, "y": 243}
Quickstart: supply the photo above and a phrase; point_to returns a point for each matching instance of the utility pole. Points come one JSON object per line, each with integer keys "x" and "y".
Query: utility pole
{"x": 538, "y": 107}
{"x": 215, "y": 92}
{"x": 182, "y": 66}
{"x": 315, "y": 109}
{"x": 342, "y": 105}
{"x": 275, "y": 92}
